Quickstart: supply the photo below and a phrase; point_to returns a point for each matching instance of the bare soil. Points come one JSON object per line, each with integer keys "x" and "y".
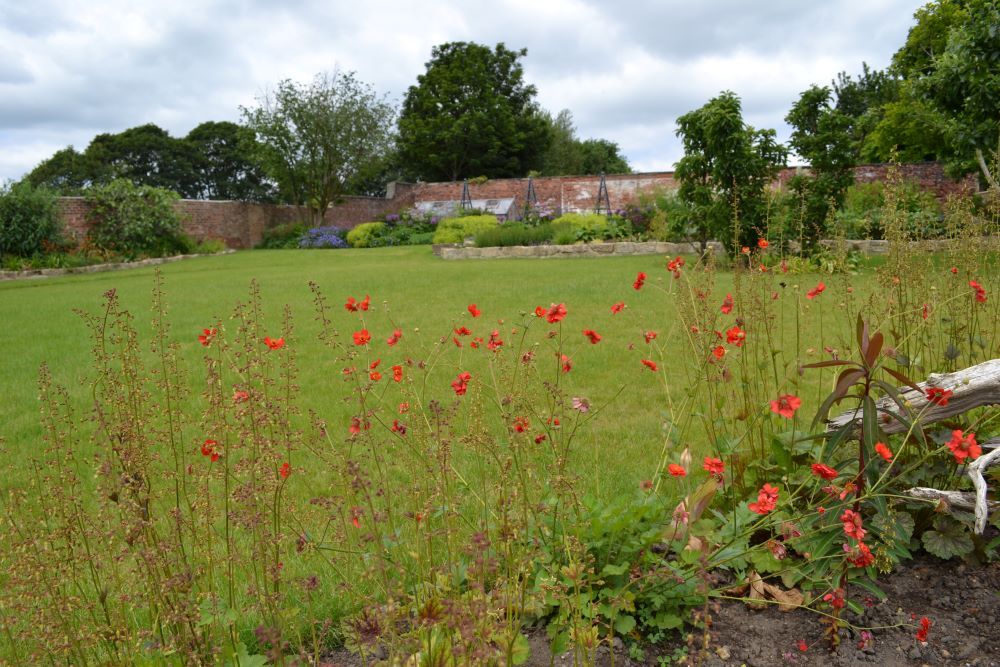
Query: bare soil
{"x": 962, "y": 601}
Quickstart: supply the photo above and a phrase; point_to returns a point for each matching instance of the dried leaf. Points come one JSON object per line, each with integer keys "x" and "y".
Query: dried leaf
{"x": 761, "y": 592}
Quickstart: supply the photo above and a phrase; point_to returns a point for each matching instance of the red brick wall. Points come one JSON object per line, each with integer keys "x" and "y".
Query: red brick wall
{"x": 241, "y": 225}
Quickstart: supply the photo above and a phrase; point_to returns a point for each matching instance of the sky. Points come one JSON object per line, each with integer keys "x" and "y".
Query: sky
{"x": 625, "y": 69}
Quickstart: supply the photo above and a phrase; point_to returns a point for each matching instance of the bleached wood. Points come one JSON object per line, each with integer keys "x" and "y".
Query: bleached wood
{"x": 975, "y": 472}
{"x": 973, "y": 387}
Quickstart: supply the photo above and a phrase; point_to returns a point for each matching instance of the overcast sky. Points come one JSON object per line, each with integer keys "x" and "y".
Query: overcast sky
{"x": 70, "y": 70}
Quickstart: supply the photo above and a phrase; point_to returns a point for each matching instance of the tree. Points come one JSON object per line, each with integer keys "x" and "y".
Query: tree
{"x": 822, "y": 136}
{"x": 726, "y": 167}
{"x": 320, "y": 137}
{"x": 471, "y": 114}
{"x": 567, "y": 155}
{"x": 228, "y": 165}
{"x": 67, "y": 172}
{"x": 600, "y": 156}
{"x": 146, "y": 155}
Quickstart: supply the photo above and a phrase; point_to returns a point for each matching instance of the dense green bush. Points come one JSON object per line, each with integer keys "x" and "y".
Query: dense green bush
{"x": 514, "y": 233}
{"x": 865, "y": 204}
{"x": 367, "y": 235}
{"x": 134, "y": 220}
{"x": 456, "y": 230}
{"x": 283, "y": 236}
{"x": 28, "y": 219}
{"x": 573, "y": 227}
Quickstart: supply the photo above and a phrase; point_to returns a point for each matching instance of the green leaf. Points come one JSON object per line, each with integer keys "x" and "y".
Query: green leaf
{"x": 949, "y": 539}
{"x": 782, "y": 456}
{"x": 667, "y": 621}
{"x": 615, "y": 570}
{"x": 559, "y": 644}
{"x": 624, "y": 624}
{"x": 521, "y": 651}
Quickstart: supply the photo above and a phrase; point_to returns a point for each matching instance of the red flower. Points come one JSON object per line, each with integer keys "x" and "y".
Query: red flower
{"x": 963, "y": 446}
{"x": 714, "y": 466}
{"x": 640, "y": 280}
{"x": 618, "y": 307}
{"x": 727, "y": 304}
{"x": 980, "y": 292}
{"x": 762, "y": 243}
{"x": 883, "y": 451}
{"x": 461, "y": 383}
{"x": 540, "y": 438}
{"x": 852, "y": 525}
{"x": 206, "y": 336}
{"x": 816, "y": 291}
{"x": 495, "y": 342}
{"x": 397, "y": 373}
{"x": 356, "y": 514}
{"x": 594, "y": 337}
{"x": 676, "y": 470}
{"x": 274, "y": 343}
{"x": 473, "y": 310}
{"x": 463, "y": 331}
{"x": 783, "y": 266}
{"x": 208, "y": 449}
{"x": 675, "y": 264}
{"x": 651, "y": 365}
{"x": 736, "y": 336}
{"x": 540, "y": 311}
{"x": 398, "y": 427}
{"x": 404, "y": 407}
{"x": 521, "y": 424}
{"x": 802, "y": 645}
{"x": 786, "y": 405}
{"x": 351, "y": 306}
{"x": 861, "y": 556}
{"x": 362, "y": 337}
{"x": 938, "y": 396}
{"x": 954, "y": 270}
{"x": 567, "y": 363}
{"x": 364, "y": 304}
{"x": 649, "y": 336}
{"x": 767, "y": 500}
{"x": 285, "y": 470}
{"x": 718, "y": 352}
{"x": 925, "y": 626}
{"x": 836, "y": 598}
{"x": 394, "y": 338}
{"x": 240, "y": 396}
{"x": 458, "y": 343}
{"x": 556, "y": 313}
{"x": 375, "y": 376}
{"x": 925, "y": 311}
{"x": 824, "y": 471}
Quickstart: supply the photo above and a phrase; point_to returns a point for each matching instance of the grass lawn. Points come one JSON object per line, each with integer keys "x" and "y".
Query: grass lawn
{"x": 424, "y": 296}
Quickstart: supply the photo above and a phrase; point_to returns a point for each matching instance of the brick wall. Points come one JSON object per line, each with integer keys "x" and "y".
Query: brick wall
{"x": 241, "y": 225}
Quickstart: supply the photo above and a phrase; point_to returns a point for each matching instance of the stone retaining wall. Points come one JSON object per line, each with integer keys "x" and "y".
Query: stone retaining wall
{"x": 576, "y": 250}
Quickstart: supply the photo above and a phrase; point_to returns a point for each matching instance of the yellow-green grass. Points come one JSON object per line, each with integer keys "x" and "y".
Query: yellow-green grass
{"x": 426, "y": 297}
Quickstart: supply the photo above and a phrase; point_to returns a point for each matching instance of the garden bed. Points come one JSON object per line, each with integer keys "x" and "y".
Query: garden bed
{"x": 100, "y": 268}
{"x": 625, "y": 248}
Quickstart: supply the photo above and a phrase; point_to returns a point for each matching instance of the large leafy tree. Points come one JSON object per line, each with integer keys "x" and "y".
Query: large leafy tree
{"x": 471, "y": 114}
{"x": 320, "y": 138}
{"x": 822, "y": 136}
{"x": 67, "y": 172}
{"x": 568, "y": 155}
{"x": 727, "y": 166}
{"x": 146, "y": 155}
{"x": 228, "y": 165}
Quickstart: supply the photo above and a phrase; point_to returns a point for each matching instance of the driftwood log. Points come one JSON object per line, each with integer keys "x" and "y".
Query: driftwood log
{"x": 971, "y": 387}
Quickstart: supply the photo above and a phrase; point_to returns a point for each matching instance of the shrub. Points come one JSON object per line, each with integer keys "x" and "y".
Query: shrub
{"x": 514, "y": 233}
{"x": 28, "y": 219}
{"x": 366, "y": 235}
{"x": 283, "y": 236}
{"x": 583, "y": 226}
{"x": 456, "y": 230}
{"x": 134, "y": 219}
{"x": 865, "y": 206}
{"x": 322, "y": 237}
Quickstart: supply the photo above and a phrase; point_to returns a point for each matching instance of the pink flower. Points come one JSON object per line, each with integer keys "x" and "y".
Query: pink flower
{"x": 786, "y": 405}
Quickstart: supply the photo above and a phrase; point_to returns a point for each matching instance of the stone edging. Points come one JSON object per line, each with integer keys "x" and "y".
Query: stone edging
{"x": 576, "y": 250}
{"x": 99, "y": 268}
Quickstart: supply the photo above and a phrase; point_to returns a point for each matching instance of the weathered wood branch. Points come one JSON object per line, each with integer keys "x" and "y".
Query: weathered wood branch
{"x": 959, "y": 500}
{"x": 972, "y": 387}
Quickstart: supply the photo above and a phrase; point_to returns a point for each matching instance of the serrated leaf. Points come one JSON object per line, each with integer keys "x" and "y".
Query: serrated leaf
{"x": 614, "y": 570}
{"x": 624, "y": 624}
{"x": 947, "y": 544}
{"x": 764, "y": 561}
{"x": 521, "y": 650}
{"x": 559, "y": 644}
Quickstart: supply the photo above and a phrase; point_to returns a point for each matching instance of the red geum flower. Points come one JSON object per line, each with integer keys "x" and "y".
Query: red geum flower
{"x": 540, "y": 311}
{"x": 640, "y": 280}
{"x": 364, "y": 304}
{"x": 925, "y": 311}
{"x": 285, "y": 470}
{"x": 963, "y": 446}
{"x": 824, "y": 471}
{"x": 521, "y": 424}
{"x": 617, "y": 308}
{"x": 351, "y": 306}
{"x": 355, "y": 427}
{"x": 836, "y": 598}
{"x": 852, "y": 525}
{"x": 556, "y": 313}
{"x": 954, "y": 270}
{"x": 727, "y": 304}
{"x": 356, "y": 514}
{"x": 676, "y": 470}
{"x": 397, "y": 373}
{"x": 802, "y": 645}
{"x": 786, "y": 405}
{"x": 274, "y": 343}
{"x": 495, "y": 342}
{"x": 714, "y": 466}
{"x": 649, "y": 336}
{"x": 883, "y": 451}
{"x": 461, "y": 383}
{"x": 762, "y": 243}
{"x": 736, "y": 336}
{"x": 206, "y": 336}
{"x": 925, "y": 626}
{"x": 939, "y": 396}
{"x": 375, "y": 376}
{"x": 651, "y": 365}
{"x": 745, "y": 250}
{"x": 398, "y": 427}
{"x": 540, "y": 438}
{"x": 860, "y": 556}
{"x": 473, "y": 310}
{"x": 594, "y": 337}
{"x": 816, "y": 291}
{"x": 767, "y": 500}
{"x": 240, "y": 396}
{"x": 208, "y": 449}
{"x": 457, "y": 342}
{"x": 394, "y": 338}
{"x": 404, "y": 407}
{"x": 675, "y": 264}
{"x": 980, "y": 292}
{"x": 718, "y": 352}
{"x": 567, "y": 363}
{"x": 362, "y": 337}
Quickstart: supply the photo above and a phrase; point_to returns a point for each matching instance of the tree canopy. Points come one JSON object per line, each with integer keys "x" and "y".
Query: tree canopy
{"x": 471, "y": 114}
{"x": 318, "y": 139}
{"x": 568, "y": 155}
